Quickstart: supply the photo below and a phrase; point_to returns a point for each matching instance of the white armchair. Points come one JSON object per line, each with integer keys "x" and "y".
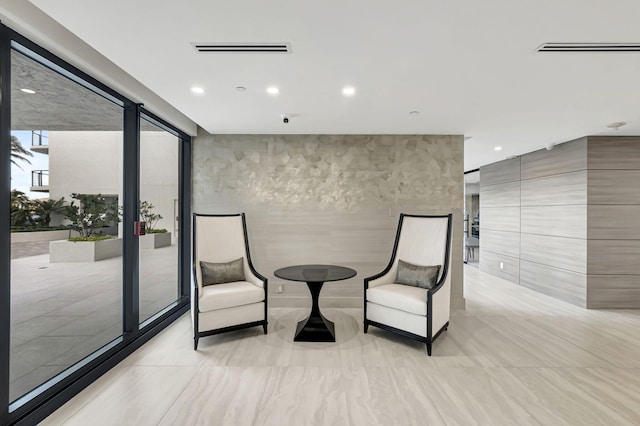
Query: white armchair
{"x": 236, "y": 297}
{"x": 419, "y": 307}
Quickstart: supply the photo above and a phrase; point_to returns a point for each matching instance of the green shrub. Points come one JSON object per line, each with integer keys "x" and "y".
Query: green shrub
{"x": 93, "y": 237}
{"x": 38, "y": 229}
{"x": 156, "y": 231}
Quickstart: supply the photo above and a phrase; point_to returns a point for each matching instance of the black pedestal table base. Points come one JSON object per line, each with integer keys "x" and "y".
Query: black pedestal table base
{"x": 315, "y": 328}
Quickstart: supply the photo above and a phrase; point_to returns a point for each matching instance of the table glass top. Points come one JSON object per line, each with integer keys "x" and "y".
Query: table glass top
{"x": 315, "y": 273}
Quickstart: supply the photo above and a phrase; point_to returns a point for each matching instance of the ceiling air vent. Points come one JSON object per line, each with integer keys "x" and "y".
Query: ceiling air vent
{"x": 242, "y": 47}
{"x": 589, "y": 47}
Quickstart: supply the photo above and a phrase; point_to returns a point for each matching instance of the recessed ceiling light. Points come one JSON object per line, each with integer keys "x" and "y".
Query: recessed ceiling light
{"x": 29, "y": 91}
{"x": 616, "y": 125}
{"x": 497, "y": 148}
{"x": 348, "y": 90}
{"x": 273, "y": 90}
{"x": 241, "y": 88}
{"x": 414, "y": 112}
{"x": 197, "y": 90}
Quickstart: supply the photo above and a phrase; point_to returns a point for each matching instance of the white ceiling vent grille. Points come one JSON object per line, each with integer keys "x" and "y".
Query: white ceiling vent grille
{"x": 242, "y": 47}
{"x": 589, "y": 47}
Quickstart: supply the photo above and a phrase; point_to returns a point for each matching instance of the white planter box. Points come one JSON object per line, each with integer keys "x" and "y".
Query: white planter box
{"x": 84, "y": 251}
{"x": 154, "y": 241}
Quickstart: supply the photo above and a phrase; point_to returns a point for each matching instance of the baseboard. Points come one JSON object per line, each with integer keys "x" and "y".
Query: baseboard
{"x": 458, "y": 302}
{"x": 325, "y": 302}
{"x": 335, "y": 302}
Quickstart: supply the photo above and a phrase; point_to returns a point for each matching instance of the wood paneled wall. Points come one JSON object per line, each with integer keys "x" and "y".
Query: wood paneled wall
{"x": 553, "y": 220}
{"x": 329, "y": 199}
{"x": 547, "y": 221}
{"x": 613, "y": 254}
{"x": 576, "y": 222}
{"x": 500, "y": 219}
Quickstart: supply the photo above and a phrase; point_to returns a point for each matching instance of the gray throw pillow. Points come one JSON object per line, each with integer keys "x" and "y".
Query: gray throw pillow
{"x": 417, "y": 276}
{"x": 220, "y": 273}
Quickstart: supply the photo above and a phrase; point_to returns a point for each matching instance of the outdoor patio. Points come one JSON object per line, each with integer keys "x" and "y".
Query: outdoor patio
{"x": 62, "y": 312}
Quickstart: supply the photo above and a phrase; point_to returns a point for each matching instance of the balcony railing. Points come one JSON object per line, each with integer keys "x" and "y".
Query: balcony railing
{"x": 40, "y": 180}
{"x": 38, "y": 138}
{"x": 40, "y": 141}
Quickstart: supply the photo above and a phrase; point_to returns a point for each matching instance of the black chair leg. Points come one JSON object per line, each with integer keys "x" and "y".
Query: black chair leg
{"x": 366, "y": 327}
{"x": 429, "y": 349}
{"x": 195, "y": 343}
{"x": 264, "y": 327}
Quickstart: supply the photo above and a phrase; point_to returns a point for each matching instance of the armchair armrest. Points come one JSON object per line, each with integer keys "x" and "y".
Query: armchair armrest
{"x": 195, "y": 287}
{"x": 382, "y": 278}
{"x": 253, "y": 276}
{"x": 439, "y": 299}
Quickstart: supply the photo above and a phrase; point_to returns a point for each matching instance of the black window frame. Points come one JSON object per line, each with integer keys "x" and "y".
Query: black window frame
{"x": 35, "y": 406}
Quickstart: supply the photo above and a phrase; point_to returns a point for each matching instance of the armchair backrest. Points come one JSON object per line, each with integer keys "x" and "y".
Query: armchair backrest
{"x": 423, "y": 240}
{"x": 218, "y": 239}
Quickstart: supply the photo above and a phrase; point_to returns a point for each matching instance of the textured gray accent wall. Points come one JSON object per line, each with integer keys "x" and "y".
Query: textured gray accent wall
{"x": 329, "y": 199}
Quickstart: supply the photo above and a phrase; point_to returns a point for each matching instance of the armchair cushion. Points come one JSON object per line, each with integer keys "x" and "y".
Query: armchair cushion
{"x": 219, "y": 273}
{"x": 400, "y": 296}
{"x": 229, "y": 295}
{"x": 416, "y": 275}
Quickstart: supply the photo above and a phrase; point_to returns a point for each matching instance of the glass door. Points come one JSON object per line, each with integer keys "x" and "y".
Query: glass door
{"x": 159, "y": 192}
{"x": 66, "y": 245}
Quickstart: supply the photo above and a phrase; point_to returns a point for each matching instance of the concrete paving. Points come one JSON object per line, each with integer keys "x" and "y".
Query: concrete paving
{"x": 62, "y": 312}
{"x": 34, "y": 248}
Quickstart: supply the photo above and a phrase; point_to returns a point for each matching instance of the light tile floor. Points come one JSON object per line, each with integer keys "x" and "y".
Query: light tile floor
{"x": 513, "y": 357}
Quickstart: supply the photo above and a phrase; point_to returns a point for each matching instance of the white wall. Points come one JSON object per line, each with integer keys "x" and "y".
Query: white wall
{"x": 91, "y": 163}
{"x": 159, "y": 156}
{"x": 85, "y": 163}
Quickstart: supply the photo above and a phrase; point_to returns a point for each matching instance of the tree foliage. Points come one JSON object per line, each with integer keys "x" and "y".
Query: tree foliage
{"x": 45, "y": 208}
{"x": 33, "y": 213}
{"x": 147, "y": 215}
{"x": 18, "y": 152}
{"x": 91, "y": 213}
{"x": 21, "y": 209}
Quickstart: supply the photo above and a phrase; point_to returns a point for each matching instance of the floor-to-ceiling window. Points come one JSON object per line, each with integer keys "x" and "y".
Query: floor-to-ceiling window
{"x": 80, "y": 166}
{"x": 66, "y": 296}
{"x": 160, "y": 210}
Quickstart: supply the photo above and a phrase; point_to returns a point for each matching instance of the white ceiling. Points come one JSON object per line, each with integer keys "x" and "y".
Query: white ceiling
{"x": 469, "y": 67}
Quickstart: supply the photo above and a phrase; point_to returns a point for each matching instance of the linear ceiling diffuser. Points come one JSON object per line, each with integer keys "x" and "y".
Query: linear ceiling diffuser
{"x": 242, "y": 47}
{"x": 589, "y": 47}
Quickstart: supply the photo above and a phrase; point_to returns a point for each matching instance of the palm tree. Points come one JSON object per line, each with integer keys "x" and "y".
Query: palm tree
{"x": 45, "y": 208}
{"x": 21, "y": 209}
{"x": 18, "y": 152}
{"x": 18, "y": 198}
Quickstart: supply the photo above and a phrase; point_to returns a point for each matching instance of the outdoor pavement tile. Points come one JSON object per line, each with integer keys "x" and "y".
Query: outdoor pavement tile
{"x": 23, "y": 332}
{"x": 26, "y": 312}
{"x": 62, "y": 312}
{"x": 86, "y": 346}
{"x": 89, "y": 325}
{"x": 40, "y": 351}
